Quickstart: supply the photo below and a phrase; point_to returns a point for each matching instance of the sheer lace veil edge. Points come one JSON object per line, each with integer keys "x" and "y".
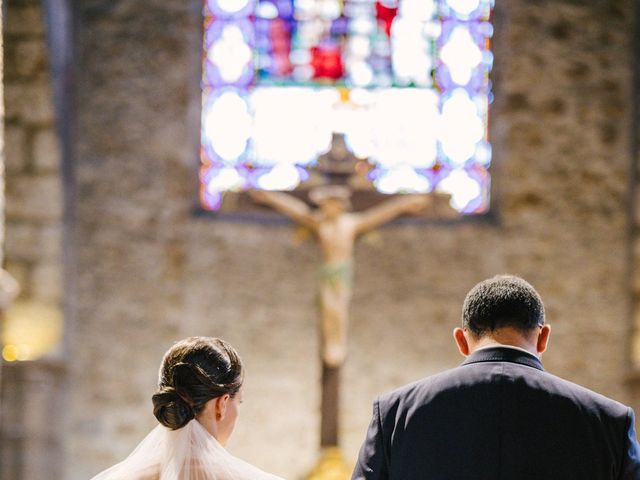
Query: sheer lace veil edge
{"x": 189, "y": 453}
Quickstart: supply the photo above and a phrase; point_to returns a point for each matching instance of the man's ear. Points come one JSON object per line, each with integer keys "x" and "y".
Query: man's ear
{"x": 221, "y": 406}
{"x": 543, "y": 338}
{"x": 461, "y": 341}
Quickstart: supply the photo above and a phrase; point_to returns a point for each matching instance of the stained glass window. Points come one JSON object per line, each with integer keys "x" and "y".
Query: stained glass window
{"x": 405, "y": 83}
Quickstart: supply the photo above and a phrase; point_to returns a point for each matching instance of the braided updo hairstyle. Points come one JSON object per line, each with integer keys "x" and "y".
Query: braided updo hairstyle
{"x": 194, "y": 371}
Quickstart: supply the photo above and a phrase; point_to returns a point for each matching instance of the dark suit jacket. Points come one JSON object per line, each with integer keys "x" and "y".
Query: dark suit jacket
{"x": 498, "y": 416}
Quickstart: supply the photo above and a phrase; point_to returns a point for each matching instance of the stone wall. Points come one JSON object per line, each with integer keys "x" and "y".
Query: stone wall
{"x": 634, "y": 209}
{"x": 32, "y": 158}
{"x": 30, "y": 446}
{"x": 150, "y": 271}
{"x": 33, "y": 405}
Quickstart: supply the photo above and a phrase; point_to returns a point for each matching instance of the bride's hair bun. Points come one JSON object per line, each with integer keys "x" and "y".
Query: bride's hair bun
{"x": 194, "y": 371}
{"x": 170, "y": 409}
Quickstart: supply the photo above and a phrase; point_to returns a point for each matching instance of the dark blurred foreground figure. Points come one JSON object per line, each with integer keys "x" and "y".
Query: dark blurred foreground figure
{"x": 499, "y": 415}
{"x": 197, "y": 401}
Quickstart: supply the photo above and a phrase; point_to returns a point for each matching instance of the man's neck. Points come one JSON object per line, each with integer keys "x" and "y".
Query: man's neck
{"x": 488, "y": 342}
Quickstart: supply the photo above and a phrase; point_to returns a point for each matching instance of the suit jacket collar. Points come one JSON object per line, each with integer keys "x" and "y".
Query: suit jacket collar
{"x": 504, "y": 354}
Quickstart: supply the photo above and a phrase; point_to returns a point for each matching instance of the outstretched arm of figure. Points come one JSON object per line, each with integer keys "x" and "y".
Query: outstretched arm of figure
{"x": 388, "y": 210}
{"x": 288, "y": 205}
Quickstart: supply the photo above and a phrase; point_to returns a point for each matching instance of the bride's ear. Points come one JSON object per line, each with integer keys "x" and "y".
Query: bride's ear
{"x": 221, "y": 406}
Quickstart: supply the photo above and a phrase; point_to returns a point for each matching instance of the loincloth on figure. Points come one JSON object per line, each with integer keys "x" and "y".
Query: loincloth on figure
{"x": 336, "y": 274}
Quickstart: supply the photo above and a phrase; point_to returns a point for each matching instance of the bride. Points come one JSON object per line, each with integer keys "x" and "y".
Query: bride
{"x": 199, "y": 391}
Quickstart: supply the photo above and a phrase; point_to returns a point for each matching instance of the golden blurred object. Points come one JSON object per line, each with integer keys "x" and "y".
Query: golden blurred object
{"x": 331, "y": 466}
{"x": 344, "y": 94}
{"x": 30, "y": 330}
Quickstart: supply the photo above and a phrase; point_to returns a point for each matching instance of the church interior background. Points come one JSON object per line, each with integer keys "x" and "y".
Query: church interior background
{"x": 131, "y": 129}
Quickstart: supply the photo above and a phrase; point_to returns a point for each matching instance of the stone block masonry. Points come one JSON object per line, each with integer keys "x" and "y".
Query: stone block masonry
{"x": 560, "y": 132}
{"x": 29, "y": 449}
{"x": 151, "y": 272}
{"x": 32, "y": 155}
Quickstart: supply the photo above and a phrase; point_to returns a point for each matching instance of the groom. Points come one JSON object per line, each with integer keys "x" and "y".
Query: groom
{"x": 499, "y": 415}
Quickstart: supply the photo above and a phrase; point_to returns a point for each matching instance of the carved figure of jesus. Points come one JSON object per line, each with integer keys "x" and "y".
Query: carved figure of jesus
{"x": 337, "y": 230}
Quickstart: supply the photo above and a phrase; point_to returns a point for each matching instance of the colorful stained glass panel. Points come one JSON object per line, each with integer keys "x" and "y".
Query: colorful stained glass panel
{"x": 405, "y": 82}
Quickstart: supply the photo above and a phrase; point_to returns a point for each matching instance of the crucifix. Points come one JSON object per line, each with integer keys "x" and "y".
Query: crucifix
{"x": 336, "y": 229}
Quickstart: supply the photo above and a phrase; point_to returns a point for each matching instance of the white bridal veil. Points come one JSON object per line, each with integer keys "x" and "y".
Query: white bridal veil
{"x": 189, "y": 453}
